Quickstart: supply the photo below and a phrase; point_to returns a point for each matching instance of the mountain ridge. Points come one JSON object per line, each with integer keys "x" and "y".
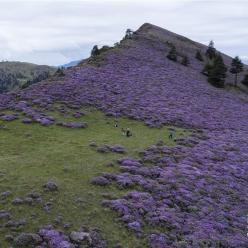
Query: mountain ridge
{"x": 185, "y": 47}
{"x": 15, "y": 74}
{"x": 157, "y": 33}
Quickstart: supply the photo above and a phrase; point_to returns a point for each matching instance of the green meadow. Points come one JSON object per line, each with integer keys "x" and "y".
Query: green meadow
{"x": 31, "y": 155}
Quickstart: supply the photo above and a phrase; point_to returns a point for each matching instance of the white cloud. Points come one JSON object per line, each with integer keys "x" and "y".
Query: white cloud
{"x": 57, "y": 31}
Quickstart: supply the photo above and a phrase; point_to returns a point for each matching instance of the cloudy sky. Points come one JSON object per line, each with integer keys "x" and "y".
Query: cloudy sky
{"x": 55, "y": 32}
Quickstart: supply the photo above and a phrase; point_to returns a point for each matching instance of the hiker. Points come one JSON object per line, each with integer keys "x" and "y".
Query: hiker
{"x": 128, "y": 133}
{"x": 123, "y": 131}
{"x": 116, "y": 122}
{"x": 170, "y": 135}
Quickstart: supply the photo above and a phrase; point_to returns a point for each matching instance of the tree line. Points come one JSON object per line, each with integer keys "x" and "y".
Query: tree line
{"x": 215, "y": 68}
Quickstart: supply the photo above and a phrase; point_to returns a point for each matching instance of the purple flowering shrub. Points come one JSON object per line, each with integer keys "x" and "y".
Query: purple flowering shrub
{"x": 9, "y": 117}
{"x": 55, "y": 239}
{"x": 48, "y": 237}
{"x": 186, "y": 193}
{"x": 158, "y": 240}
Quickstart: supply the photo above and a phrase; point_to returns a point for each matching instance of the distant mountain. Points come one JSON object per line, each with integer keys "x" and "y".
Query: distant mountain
{"x": 14, "y": 75}
{"x": 70, "y": 64}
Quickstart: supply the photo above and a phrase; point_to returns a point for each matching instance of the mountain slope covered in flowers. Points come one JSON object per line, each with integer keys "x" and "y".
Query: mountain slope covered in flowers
{"x": 192, "y": 195}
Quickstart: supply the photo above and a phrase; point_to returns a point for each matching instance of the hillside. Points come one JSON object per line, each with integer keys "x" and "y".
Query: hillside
{"x": 70, "y": 64}
{"x": 14, "y": 75}
{"x": 179, "y": 180}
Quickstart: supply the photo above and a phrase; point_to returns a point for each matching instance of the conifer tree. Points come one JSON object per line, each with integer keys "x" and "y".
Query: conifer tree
{"x": 185, "y": 61}
{"x": 129, "y": 34}
{"x": 198, "y": 56}
{"x": 211, "y": 51}
{"x": 217, "y": 72}
{"x": 60, "y": 72}
{"x": 245, "y": 80}
{"x": 95, "y": 51}
{"x": 207, "y": 68}
{"x": 172, "y": 55}
{"x": 236, "y": 67}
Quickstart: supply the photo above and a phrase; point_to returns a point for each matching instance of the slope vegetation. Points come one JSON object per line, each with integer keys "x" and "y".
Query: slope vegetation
{"x": 187, "y": 191}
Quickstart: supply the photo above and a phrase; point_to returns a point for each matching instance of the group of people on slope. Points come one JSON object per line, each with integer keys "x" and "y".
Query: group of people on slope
{"x": 126, "y": 132}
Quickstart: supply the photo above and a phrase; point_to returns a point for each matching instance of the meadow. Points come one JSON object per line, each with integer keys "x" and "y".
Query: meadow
{"x": 31, "y": 155}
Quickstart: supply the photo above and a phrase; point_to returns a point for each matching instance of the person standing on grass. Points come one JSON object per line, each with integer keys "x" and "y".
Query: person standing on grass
{"x": 123, "y": 131}
{"x": 116, "y": 124}
{"x": 128, "y": 133}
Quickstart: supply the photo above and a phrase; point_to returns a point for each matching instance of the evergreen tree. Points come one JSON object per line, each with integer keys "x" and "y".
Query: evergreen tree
{"x": 198, "y": 56}
{"x": 60, "y": 72}
{"x": 207, "y": 68}
{"x": 217, "y": 72}
{"x": 185, "y": 61}
{"x": 172, "y": 55}
{"x": 236, "y": 67}
{"x": 245, "y": 80}
{"x": 95, "y": 51}
{"x": 129, "y": 34}
{"x": 211, "y": 51}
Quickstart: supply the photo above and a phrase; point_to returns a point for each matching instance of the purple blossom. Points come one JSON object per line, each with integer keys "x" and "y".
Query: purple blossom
{"x": 55, "y": 239}
{"x": 158, "y": 240}
{"x": 135, "y": 225}
{"x": 9, "y": 117}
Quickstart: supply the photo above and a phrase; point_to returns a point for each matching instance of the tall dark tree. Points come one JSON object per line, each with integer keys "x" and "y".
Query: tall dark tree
{"x": 245, "y": 80}
{"x": 236, "y": 67}
{"x": 198, "y": 56}
{"x": 207, "y": 68}
{"x": 95, "y": 51}
{"x": 60, "y": 72}
{"x": 172, "y": 55}
{"x": 211, "y": 51}
{"x": 129, "y": 34}
{"x": 185, "y": 61}
{"x": 217, "y": 72}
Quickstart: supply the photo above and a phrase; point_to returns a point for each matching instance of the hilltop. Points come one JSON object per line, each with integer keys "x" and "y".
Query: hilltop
{"x": 184, "y": 46}
{"x": 178, "y": 181}
{"x": 14, "y": 75}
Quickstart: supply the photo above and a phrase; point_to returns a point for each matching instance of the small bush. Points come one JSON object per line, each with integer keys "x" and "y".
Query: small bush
{"x": 198, "y": 56}
{"x": 185, "y": 61}
{"x": 245, "y": 80}
{"x": 172, "y": 55}
{"x": 95, "y": 51}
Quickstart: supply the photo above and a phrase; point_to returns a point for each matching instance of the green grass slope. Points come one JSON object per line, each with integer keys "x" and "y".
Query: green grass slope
{"x": 30, "y": 155}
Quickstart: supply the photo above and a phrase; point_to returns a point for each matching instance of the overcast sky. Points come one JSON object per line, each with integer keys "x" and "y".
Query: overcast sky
{"x": 55, "y": 32}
